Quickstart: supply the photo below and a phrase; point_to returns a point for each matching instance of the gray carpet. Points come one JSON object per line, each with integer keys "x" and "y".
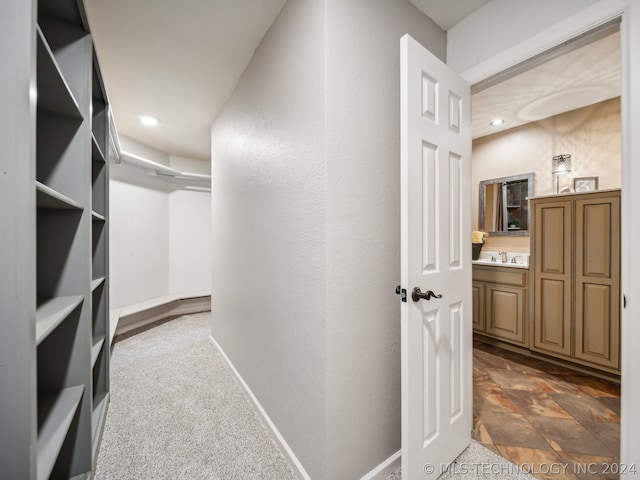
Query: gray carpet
{"x": 177, "y": 412}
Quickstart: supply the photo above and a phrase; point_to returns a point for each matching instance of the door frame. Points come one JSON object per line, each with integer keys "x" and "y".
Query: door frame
{"x": 602, "y": 12}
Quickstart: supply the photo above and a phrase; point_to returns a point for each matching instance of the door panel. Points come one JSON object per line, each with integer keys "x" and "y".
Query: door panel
{"x": 430, "y": 206}
{"x": 455, "y": 211}
{"x": 436, "y": 255}
{"x": 597, "y": 281}
{"x": 477, "y": 295}
{"x": 553, "y": 278}
{"x": 505, "y": 312}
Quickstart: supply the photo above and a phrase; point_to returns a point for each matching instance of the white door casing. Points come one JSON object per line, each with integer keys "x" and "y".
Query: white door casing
{"x": 436, "y": 334}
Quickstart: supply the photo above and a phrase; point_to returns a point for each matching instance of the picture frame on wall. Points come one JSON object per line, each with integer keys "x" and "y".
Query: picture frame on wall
{"x": 585, "y": 184}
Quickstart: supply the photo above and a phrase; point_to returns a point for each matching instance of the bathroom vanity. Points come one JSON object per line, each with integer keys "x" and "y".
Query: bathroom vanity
{"x": 500, "y": 297}
{"x": 562, "y": 304}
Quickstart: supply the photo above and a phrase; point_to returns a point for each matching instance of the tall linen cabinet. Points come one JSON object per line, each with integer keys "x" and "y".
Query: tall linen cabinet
{"x": 54, "y": 282}
{"x": 576, "y": 268}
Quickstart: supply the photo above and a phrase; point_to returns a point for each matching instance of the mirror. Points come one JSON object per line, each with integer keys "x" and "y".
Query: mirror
{"x": 503, "y": 207}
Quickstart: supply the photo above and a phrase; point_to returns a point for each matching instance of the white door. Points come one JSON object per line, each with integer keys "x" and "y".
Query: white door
{"x": 436, "y": 256}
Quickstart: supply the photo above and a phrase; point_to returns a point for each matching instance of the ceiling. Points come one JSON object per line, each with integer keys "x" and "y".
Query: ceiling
{"x": 581, "y": 77}
{"x": 177, "y": 61}
{"x": 447, "y": 13}
{"x": 180, "y": 61}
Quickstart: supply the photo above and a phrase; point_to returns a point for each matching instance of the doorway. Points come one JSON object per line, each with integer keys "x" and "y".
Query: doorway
{"x": 537, "y": 413}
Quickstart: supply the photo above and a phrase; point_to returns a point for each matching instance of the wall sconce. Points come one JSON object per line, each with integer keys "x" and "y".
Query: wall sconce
{"x": 560, "y": 165}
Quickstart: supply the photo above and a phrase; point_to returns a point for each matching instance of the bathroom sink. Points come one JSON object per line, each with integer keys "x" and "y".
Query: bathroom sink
{"x": 487, "y": 258}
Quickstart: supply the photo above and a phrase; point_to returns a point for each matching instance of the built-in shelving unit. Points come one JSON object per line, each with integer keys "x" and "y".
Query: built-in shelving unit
{"x": 53, "y": 349}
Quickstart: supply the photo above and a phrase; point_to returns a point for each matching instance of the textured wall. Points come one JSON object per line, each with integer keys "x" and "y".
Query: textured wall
{"x": 509, "y": 22}
{"x": 363, "y": 226}
{"x": 190, "y": 234}
{"x": 591, "y": 135}
{"x": 268, "y": 212}
{"x": 160, "y": 234}
{"x": 138, "y": 231}
{"x": 317, "y": 230}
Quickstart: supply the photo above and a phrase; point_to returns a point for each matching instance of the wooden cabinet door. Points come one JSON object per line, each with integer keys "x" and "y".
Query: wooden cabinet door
{"x": 553, "y": 276}
{"x": 477, "y": 293}
{"x": 505, "y": 313}
{"x": 597, "y": 280}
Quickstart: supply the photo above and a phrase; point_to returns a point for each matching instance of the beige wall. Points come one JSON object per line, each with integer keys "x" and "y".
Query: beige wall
{"x": 590, "y": 134}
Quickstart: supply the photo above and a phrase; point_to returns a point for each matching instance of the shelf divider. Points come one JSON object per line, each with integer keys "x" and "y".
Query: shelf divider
{"x": 52, "y": 312}
{"x": 56, "y": 426}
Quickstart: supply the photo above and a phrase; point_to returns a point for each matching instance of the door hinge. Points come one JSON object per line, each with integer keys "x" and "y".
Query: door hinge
{"x": 402, "y": 292}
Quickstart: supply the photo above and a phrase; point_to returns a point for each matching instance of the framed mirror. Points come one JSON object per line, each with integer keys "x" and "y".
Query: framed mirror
{"x": 503, "y": 207}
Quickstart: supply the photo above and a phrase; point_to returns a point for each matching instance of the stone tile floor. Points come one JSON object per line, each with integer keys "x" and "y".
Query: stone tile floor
{"x": 554, "y": 422}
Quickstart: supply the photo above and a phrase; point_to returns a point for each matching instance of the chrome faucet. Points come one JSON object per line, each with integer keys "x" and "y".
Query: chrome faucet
{"x": 504, "y": 256}
{"x": 513, "y": 259}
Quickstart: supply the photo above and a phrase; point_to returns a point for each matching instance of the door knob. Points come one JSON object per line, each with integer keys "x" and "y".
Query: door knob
{"x": 417, "y": 294}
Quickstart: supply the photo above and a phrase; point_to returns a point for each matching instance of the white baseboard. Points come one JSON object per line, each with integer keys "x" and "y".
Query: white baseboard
{"x": 386, "y": 468}
{"x": 282, "y": 443}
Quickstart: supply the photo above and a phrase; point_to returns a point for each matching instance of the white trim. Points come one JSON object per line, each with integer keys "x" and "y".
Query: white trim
{"x": 575, "y": 25}
{"x": 630, "y": 355}
{"x": 280, "y": 440}
{"x": 385, "y": 469}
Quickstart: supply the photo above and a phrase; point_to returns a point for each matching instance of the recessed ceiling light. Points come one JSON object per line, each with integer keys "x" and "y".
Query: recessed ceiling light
{"x": 496, "y": 121}
{"x": 148, "y": 120}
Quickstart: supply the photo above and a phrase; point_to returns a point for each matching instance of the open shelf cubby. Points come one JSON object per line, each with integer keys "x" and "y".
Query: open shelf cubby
{"x": 60, "y": 408}
{"x": 54, "y": 94}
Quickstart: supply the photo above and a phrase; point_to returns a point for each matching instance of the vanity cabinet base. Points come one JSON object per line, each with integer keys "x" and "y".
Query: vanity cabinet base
{"x": 500, "y": 296}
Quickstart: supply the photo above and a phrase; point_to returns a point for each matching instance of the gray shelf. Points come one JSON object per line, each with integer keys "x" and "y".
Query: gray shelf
{"x": 97, "y": 217}
{"x": 96, "y": 283}
{"x": 47, "y": 197}
{"x": 99, "y": 404}
{"x": 98, "y": 418}
{"x": 82, "y": 476}
{"x": 61, "y": 407}
{"x": 53, "y": 312}
{"x": 54, "y": 94}
{"x": 96, "y": 151}
{"x": 95, "y": 351}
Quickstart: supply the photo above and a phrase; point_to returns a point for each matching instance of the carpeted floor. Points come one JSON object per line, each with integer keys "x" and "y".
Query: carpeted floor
{"x": 178, "y": 413}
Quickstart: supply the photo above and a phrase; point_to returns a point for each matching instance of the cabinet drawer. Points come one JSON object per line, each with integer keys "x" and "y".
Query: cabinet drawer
{"x": 503, "y": 276}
